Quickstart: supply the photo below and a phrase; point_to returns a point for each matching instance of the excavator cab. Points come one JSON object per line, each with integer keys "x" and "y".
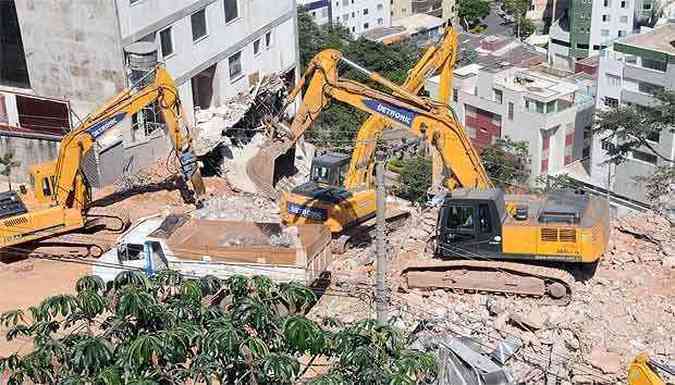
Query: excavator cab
{"x": 330, "y": 169}
{"x": 470, "y": 221}
{"x": 43, "y": 181}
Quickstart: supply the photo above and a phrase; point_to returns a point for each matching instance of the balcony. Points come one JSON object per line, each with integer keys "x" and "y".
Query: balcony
{"x": 648, "y": 75}
{"x": 636, "y": 98}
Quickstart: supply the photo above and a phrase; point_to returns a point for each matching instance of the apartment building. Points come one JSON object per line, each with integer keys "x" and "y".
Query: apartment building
{"x": 500, "y": 100}
{"x": 585, "y": 27}
{"x": 78, "y": 51}
{"x": 445, "y": 9}
{"x": 420, "y": 29}
{"x": 358, "y": 16}
{"x": 629, "y": 72}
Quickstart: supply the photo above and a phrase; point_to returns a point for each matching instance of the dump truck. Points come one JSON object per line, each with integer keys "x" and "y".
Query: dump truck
{"x": 200, "y": 247}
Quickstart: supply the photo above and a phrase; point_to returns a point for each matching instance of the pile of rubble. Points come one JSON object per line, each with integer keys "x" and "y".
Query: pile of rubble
{"x": 243, "y": 207}
{"x": 624, "y": 307}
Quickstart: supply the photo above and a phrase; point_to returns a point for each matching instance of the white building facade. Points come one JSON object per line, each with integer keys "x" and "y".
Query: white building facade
{"x": 630, "y": 72}
{"x": 358, "y": 16}
{"x": 549, "y": 113}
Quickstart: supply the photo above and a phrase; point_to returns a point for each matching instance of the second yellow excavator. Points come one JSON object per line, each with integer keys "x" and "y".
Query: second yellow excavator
{"x": 474, "y": 220}
{"x": 61, "y": 194}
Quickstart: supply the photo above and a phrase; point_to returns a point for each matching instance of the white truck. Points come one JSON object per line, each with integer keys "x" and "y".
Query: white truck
{"x": 199, "y": 247}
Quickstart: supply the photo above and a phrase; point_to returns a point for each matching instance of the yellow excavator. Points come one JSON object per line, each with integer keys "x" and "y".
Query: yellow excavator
{"x": 474, "y": 221}
{"x": 646, "y": 371}
{"x": 334, "y": 174}
{"x": 60, "y": 197}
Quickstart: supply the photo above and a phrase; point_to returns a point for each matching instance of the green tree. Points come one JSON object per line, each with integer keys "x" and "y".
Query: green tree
{"x": 7, "y": 163}
{"x": 336, "y": 127}
{"x": 522, "y": 27}
{"x": 172, "y": 330}
{"x": 628, "y": 128}
{"x": 506, "y": 162}
{"x": 415, "y": 179}
{"x": 471, "y": 12}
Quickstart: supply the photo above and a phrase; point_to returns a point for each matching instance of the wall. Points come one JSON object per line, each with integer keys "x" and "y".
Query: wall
{"x": 72, "y": 50}
{"x": 256, "y": 19}
{"x": 27, "y": 151}
{"x": 378, "y": 10}
{"x": 614, "y": 24}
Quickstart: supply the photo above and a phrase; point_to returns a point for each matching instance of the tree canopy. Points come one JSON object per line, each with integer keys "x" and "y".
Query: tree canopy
{"x": 522, "y": 27}
{"x": 336, "y": 127}
{"x": 173, "y": 330}
{"x": 415, "y": 179}
{"x": 472, "y": 11}
{"x": 506, "y": 162}
{"x": 628, "y": 128}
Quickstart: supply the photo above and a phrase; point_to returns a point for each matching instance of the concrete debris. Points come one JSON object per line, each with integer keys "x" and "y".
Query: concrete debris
{"x": 238, "y": 117}
{"x": 288, "y": 237}
{"x": 534, "y": 319}
{"x": 244, "y": 207}
{"x": 607, "y": 362}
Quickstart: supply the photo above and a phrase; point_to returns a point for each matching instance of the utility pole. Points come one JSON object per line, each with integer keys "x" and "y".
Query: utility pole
{"x": 380, "y": 249}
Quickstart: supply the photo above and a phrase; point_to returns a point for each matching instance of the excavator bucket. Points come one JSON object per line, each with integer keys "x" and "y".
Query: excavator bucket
{"x": 270, "y": 165}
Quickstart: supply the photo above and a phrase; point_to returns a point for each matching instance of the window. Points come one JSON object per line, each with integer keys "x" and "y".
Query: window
{"x": 624, "y": 19}
{"x": 268, "y": 39}
{"x": 365, "y": 25}
{"x": 606, "y": 3}
{"x": 646, "y": 6}
{"x": 624, "y": 4}
{"x": 234, "y": 63}
{"x": 460, "y": 223}
{"x": 313, "y": 14}
{"x": 380, "y": 21}
{"x": 654, "y": 136}
{"x": 605, "y": 18}
{"x": 338, "y": 18}
{"x": 649, "y": 88}
{"x": 455, "y": 97}
{"x": 256, "y": 47}
{"x": 365, "y": 11}
{"x": 198, "y": 20}
{"x": 644, "y": 156}
{"x": 582, "y": 46}
{"x": 484, "y": 225}
{"x": 654, "y": 64}
{"x": 498, "y": 95}
{"x": 621, "y": 33}
{"x": 611, "y": 102}
{"x": 166, "y": 42}
{"x": 510, "y": 112}
{"x": 550, "y": 106}
{"x": 613, "y": 80}
{"x": 631, "y": 59}
{"x": 380, "y": 7}
{"x": 607, "y": 145}
{"x": 345, "y": 16}
{"x": 231, "y": 10}
{"x": 540, "y": 107}
{"x": 604, "y": 32}
{"x": 353, "y": 15}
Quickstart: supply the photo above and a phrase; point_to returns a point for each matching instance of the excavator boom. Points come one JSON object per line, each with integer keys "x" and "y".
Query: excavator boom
{"x": 64, "y": 193}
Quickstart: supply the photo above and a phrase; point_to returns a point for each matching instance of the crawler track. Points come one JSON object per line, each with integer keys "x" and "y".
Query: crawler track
{"x": 490, "y": 276}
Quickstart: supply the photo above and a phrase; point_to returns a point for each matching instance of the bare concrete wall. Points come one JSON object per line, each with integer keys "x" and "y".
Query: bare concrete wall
{"x": 72, "y": 50}
{"x": 28, "y": 152}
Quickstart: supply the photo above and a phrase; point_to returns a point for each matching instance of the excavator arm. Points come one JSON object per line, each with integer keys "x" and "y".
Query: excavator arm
{"x": 441, "y": 56}
{"x": 70, "y": 185}
{"x": 433, "y": 121}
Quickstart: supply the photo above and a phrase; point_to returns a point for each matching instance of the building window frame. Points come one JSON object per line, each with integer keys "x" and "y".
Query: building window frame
{"x": 237, "y": 17}
{"x": 230, "y": 65}
{"x": 256, "y": 50}
{"x": 269, "y": 39}
{"x": 206, "y": 26}
{"x": 510, "y": 110}
{"x": 172, "y": 53}
{"x": 643, "y": 156}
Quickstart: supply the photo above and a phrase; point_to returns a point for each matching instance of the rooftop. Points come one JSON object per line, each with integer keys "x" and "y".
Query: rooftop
{"x": 660, "y": 39}
{"x": 536, "y": 84}
{"x": 405, "y": 26}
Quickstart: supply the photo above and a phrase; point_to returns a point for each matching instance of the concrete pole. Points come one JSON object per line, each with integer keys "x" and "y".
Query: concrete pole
{"x": 380, "y": 250}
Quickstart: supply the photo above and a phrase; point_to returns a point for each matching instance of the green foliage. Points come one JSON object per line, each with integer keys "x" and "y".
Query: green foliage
{"x": 169, "y": 329}
{"x": 549, "y": 183}
{"x": 7, "y": 164}
{"x": 630, "y": 127}
{"x": 415, "y": 179}
{"x": 506, "y": 162}
{"x": 660, "y": 186}
{"x": 471, "y": 12}
{"x": 336, "y": 127}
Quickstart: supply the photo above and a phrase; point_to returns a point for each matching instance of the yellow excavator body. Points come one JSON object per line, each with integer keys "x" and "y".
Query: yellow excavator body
{"x": 59, "y": 198}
